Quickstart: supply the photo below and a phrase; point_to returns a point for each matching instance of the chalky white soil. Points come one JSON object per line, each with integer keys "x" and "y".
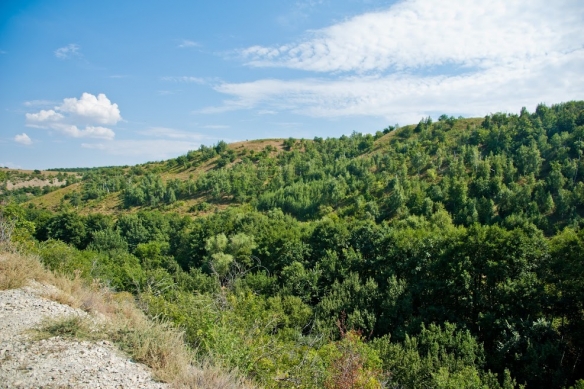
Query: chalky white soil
{"x": 57, "y": 362}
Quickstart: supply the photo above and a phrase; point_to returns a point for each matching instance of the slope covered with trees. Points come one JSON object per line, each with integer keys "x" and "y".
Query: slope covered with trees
{"x": 446, "y": 254}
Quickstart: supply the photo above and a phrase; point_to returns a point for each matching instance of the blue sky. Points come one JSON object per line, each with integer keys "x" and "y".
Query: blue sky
{"x": 118, "y": 82}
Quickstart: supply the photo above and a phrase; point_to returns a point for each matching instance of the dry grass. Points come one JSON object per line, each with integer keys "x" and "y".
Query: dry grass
{"x": 209, "y": 376}
{"x": 257, "y": 145}
{"x": 16, "y": 270}
{"x": 156, "y": 344}
{"x": 52, "y": 200}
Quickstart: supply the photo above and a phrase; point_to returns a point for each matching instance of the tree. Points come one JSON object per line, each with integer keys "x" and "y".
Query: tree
{"x": 529, "y": 159}
{"x": 68, "y": 227}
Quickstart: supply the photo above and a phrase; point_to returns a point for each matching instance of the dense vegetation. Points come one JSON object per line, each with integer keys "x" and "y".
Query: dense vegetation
{"x": 447, "y": 254}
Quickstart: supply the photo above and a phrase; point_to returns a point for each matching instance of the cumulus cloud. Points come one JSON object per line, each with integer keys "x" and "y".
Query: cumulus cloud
{"x": 23, "y": 139}
{"x": 68, "y": 52}
{"x": 98, "y": 109}
{"x": 422, "y": 57}
{"x": 89, "y": 111}
{"x": 44, "y": 116}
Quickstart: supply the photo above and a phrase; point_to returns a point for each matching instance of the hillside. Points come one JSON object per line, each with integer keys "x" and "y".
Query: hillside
{"x": 442, "y": 254}
{"x": 58, "y": 332}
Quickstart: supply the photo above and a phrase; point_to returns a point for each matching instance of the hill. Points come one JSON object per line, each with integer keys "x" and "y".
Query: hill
{"x": 57, "y": 332}
{"x": 441, "y": 254}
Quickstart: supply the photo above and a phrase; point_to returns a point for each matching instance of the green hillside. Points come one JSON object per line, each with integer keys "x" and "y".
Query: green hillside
{"x": 446, "y": 254}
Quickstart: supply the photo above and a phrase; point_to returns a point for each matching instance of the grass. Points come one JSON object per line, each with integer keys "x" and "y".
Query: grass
{"x": 116, "y": 317}
{"x": 15, "y": 272}
{"x": 66, "y": 327}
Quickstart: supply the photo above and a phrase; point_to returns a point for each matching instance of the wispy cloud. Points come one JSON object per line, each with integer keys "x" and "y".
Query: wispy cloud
{"x": 23, "y": 139}
{"x": 188, "y": 43}
{"x": 89, "y": 111}
{"x": 406, "y": 98}
{"x": 3, "y": 52}
{"x": 67, "y": 52}
{"x": 421, "y": 33}
{"x": 38, "y": 103}
{"x": 422, "y": 57}
{"x": 184, "y": 79}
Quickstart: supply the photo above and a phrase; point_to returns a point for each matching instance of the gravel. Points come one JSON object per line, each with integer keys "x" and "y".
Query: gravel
{"x": 58, "y": 362}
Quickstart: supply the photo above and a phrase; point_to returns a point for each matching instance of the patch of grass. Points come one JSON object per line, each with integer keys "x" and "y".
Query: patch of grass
{"x": 67, "y": 327}
{"x": 16, "y": 270}
{"x": 155, "y": 344}
{"x": 209, "y": 376}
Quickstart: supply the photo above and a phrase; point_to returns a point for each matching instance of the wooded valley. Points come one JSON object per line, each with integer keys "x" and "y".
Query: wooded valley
{"x": 447, "y": 254}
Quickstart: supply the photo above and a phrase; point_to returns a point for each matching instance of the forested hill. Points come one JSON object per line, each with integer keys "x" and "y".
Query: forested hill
{"x": 447, "y": 254}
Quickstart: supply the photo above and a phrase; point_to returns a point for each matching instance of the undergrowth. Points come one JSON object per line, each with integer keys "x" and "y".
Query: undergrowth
{"x": 156, "y": 344}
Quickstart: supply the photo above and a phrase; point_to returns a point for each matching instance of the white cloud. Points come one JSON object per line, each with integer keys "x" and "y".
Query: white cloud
{"x": 406, "y": 97}
{"x": 184, "y": 79}
{"x": 420, "y": 33}
{"x": 89, "y": 111}
{"x": 89, "y": 131}
{"x": 98, "y": 109}
{"x": 44, "y": 116}
{"x": 35, "y": 103}
{"x": 23, "y": 139}
{"x": 422, "y": 57}
{"x": 154, "y": 149}
{"x": 187, "y": 43}
{"x": 68, "y": 52}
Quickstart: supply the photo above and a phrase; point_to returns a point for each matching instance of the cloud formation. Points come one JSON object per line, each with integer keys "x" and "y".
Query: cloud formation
{"x": 89, "y": 111}
{"x": 422, "y": 57}
{"x": 23, "y": 139}
{"x": 68, "y": 52}
{"x": 407, "y": 98}
{"x": 421, "y": 33}
{"x": 187, "y": 43}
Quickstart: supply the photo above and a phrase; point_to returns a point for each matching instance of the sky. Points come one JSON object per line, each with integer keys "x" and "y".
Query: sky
{"x": 102, "y": 83}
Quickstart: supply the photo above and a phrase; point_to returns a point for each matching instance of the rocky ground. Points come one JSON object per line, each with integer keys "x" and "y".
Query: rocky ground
{"x": 56, "y": 362}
